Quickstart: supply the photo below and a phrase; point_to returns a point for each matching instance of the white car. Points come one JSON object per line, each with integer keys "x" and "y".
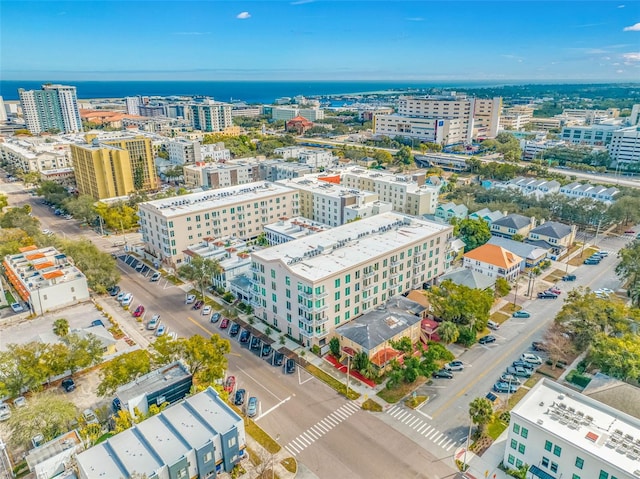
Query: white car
{"x": 127, "y": 300}
{"x": 190, "y": 299}
{"x": 90, "y": 417}
{"x": 161, "y": 330}
{"x": 153, "y": 322}
{"x": 17, "y": 307}
{"x": 5, "y": 412}
{"x": 531, "y": 358}
{"x": 47, "y": 232}
{"x": 206, "y": 311}
{"x": 20, "y": 401}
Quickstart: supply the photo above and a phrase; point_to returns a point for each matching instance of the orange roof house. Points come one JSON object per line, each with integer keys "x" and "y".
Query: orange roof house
{"x": 299, "y": 124}
{"x": 494, "y": 261}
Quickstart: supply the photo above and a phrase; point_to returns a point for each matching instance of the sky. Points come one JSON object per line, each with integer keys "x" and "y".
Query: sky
{"x": 320, "y": 40}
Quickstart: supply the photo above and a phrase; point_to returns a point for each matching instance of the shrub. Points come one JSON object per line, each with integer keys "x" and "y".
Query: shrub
{"x": 467, "y": 336}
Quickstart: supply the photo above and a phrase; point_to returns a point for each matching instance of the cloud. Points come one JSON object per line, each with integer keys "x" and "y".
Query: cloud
{"x": 513, "y": 57}
{"x": 632, "y": 28}
{"x": 191, "y": 33}
{"x": 243, "y": 15}
{"x": 631, "y": 57}
{"x": 415, "y": 19}
{"x": 620, "y": 6}
{"x": 588, "y": 25}
{"x": 301, "y": 2}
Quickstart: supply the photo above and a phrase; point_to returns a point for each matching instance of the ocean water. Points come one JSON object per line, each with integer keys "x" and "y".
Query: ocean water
{"x": 248, "y": 91}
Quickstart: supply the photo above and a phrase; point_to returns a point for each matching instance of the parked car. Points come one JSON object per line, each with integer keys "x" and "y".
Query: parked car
{"x": 234, "y": 330}
{"x": 190, "y": 299}
{"x": 127, "y": 299}
{"x": 161, "y": 330}
{"x": 523, "y": 364}
{"x": 198, "y": 304}
{"x": 90, "y": 417}
{"x": 521, "y": 314}
{"x": 97, "y": 322}
{"x": 20, "y": 401}
{"x": 604, "y": 292}
{"x": 547, "y": 295}
{"x": 509, "y": 378}
{"x": 520, "y": 372}
{"x": 230, "y": 384}
{"x": 153, "y": 322}
{"x": 569, "y": 277}
{"x": 290, "y": 366}
{"x": 155, "y": 277}
{"x": 538, "y": 346}
{"x": 244, "y": 336}
{"x": 531, "y": 358}
{"x": 555, "y": 290}
{"x": 224, "y": 324}
{"x": 114, "y": 291}
{"x": 121, "y": 295}
{"x": 255, "y": 343}
{"x": 139, "y": 311}
{"x": 277, "y": 359}
{"x": 239, "y": 399}
{"x": 629, "y": 232}
{"x": 502, "y": 387}
{"x": 215, "y": 317}
{"x": 591, "y": 261}
{"x": 68, "y": 384}
{"x": 266, "y": 350}
{"x": 454, "y": 366}
{"x": 206, "y": 311}
{"x": 252, "y": 406}
{"x": 139, "y": 266}
{"x": 5, "y": 412}
{"x": 443, "y": 373}
{"x": 17, "y": 307}
{"x": 487, "y": 339}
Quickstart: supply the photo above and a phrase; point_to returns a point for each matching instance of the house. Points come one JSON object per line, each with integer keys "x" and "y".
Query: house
{"x": 299, "y": 125}
{"x": 555, "y": 237}
{"x": 586, "y": 190}
{"x": 487, "y": 215}
{"x": 512, "y": 224}
{"x": 493, "y": 261}
{"x": 451, "y": 210}
{"x": 51, "y": 459}
{"x": 533, "y": 186}
{"x": 199, "y": 437}
{"x": 469, "y": 278}
{"x": 623, "y": 396}
{"x": 531, "y": 255}
{"x": 373, "y": 332}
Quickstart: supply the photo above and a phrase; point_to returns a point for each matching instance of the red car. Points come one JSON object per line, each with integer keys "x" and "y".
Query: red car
{"x": 555, "y": 290}
{"x": 139, "y": 311}
{"x": 224, "y": 324}
{"x": 230, "y": 384}
{"x": 198, "y": 304}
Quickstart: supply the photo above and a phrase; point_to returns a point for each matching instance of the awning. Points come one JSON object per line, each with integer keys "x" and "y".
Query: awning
{"x": 536, "y": 471}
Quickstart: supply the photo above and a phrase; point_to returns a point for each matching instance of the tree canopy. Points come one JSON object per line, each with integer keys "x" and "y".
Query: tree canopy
{"x": 461, "y": 305}
{"x": 123, "y": 369}
{"x": 99, "y": 267}
{"x": 201, "y": 271}
{"x": 474, "y": 232}
{"x": 629, "y": 269}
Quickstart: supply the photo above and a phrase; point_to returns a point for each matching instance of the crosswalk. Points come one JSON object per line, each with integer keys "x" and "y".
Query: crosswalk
{"x": 322, "y": 427}
{"x": 421, "y": 427}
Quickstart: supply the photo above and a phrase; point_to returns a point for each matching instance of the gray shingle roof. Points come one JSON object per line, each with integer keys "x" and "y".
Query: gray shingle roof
{"x": 524, "y": 250}
{"x": 513, "y": 220}
{"x": 552, "y": 229}
{"x": 469, "y": 278}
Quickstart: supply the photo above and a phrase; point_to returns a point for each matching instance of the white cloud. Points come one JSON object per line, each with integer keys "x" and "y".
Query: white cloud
{"x": 619, "y": 71}
{"x": 415, "y": 19}
{"x": 620, "y": 6}
{"x": 632, "y": 28}
{"x": 631, "y": 57}
{"x": 243, "y": 15}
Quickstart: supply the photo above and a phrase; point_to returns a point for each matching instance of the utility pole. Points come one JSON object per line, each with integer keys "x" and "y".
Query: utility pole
{"x": 515, "y": 294}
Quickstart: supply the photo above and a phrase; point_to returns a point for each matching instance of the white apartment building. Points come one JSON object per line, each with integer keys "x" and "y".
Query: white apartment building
{"x": 332, "y": 204}
{"x": 182, "y": 151}
{"x": 215, "y": 152}
{"x": 45, "y": 278}
{"x": 3, "y": 111}
{"x": 434, "y": 130}
{"x": 54, "y": 107}
{"x": 594, "y": 135}
{"x": 232, "y": 254}
{"x": 278, "y": 170}
{"x": 316, "y": 158}
{"x": 515, "y": 117}
{"x": 222, "y": 175}
{"x": 210, "y": 116}
{"x": 169, "y": 226}
{"x": 290, "y": 229}
{"x": 633, "y": 119}
{"x": 590, "y": 117}
{"x": 532, "y": 148}
{"x": 132, "y": 103}
{"x": 585, "y": 190}
{"x": 308, "y": 287}
{"x": 32, "y": 154}
{"x": 561, "y": 433}
{"x": 624, "y": 148}
{"x": 407, "y": 193}
{"x": 311, "y": 114}
{"x": 287, "y": 113}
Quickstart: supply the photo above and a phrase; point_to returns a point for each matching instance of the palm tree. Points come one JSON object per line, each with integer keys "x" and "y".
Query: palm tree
{"x": 448, "y": 332}
{"x": 481, "y": 412}
{"x": 61, "y": 327}
{"x": 201, "y": 271}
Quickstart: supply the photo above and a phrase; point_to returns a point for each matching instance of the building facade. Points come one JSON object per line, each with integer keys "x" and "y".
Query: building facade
{"x": 169, "y": 226}
{"x": 182, "y": 151}
{"x": 593, "y": 135}
{"x": 221, "y": 175}
{"x": 308, "y": 287}
{"x": 493, "y": 261}
{"x": 286, "y": 230}
{"x": 561, "y": 433}
{"x": 45, "y": 278}
{"x": 210, "y": 116}
{"x": 30, "y": 155}
{"x": 55, "y": 107}
{"x": 624, "y": 148}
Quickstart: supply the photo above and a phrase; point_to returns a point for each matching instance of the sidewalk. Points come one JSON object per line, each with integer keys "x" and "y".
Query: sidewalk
{"x": 487, "y": 464}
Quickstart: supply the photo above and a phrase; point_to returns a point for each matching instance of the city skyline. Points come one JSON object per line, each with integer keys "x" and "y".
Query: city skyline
{"x": 321, "y": 40}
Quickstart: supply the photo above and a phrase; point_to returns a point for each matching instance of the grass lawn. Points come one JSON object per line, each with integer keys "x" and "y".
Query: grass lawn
{"x": 499, "y": 317}
{"x": 104, "y": 437}
{"x": 509, "y": 308}
{"x": 555, "y": 275}
{"x": 333, "y": 382}
{"x": 395, "y": 394}
{"x": 415, "y": 402}
{"x": 371, "y": 405}
{"x": 495, "y": 428}
{"x": 9, "y": 296}
{"x": 579, "y": 259}
{"x": 262, "y": 437}
{"x": 290, "y": 464}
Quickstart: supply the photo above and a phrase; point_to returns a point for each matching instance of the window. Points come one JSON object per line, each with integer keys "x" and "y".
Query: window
{"x": 182, "y": 473}
{"x": 524, "y": 432}
{"x": 557, "y": 450}
{"x": 575, "y": 476}
{"x": 545, "y": 461}
{"x": 547, "y": 446}
{"x": 516, "y": 427}
{"x": 603, "y": 475}
{"x": 521, "y": 448}
{"x": 511, "y": 459}
{"x": 207, "y": 457}
{"x": 336, "y": 296}
{"x": 337, "y": 283}
{"x": 347, "y": 279}
{"x": 579, "y": 463}
{"x": 514, "y": 444}
{"x": 518, "y": 463}
{"x": 554, "y": 467}
{"x": 232, "y": 442}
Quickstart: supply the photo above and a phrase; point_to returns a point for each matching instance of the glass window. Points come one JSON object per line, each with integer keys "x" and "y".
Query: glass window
{"x": 511, "y": 459}
{"x": 337, "y": 283}
{"x": 545, "y": 461}
{"x": 518, "y": 463}
{"x": 514, "y": 444}
{"x": 579, "y": 462}
{"x": 547, "y": 446}
{"x": 557, "y": 450}
{"x": 347, "y": 279}
{"x": 554, "y": 467}
{"x": 575, "y": 476}
{"x": 603, "y": 475}
{"x": 521, "y": 448}
{"x": 336, "y": 296}
{"x": 516, "y": 428}
{"x": 524, "y": 432}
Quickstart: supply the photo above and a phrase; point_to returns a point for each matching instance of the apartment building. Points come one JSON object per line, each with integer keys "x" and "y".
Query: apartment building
{"x": 222, "y": 175}
{"x": 561, "y": 433}
{"x": 533, "y": 186}
{"x": 515, "y": 117}
{"x": 287, "y": 113}
{"x": 215, "y": 152}
{"x": 308, "y": 287}
{"x": 532, "y": 149}
{"x": 332, "y": 204}
{"x": 54, "y": 107}
{"x": 132, "y": 103}
{"x": 210, "y": 116}
{"x": 169, "y": 226}
{"x": 289, "y": 229}
{"x": 277, "y": 170}
{"x": 433, "y": 130}
{"x": 593, "y": 135}
{"x": 315, "y": 158}
{"x": 512, "y": 224}
{"x": 586, "y": 190}
{"x": 182, "y": 151}
{"x": 232, "y": 255}
{"x": 198, "y": 437}
{"x": 45, "y": 278}
{"x": 624, "y": 148}
{"x": 152, "y": 110}
{"x": 591, "y": 116}
{"x": 63, "y": 176}
{"x": 493, "y": 261}
{"x": 113, "y": 166}
{"x": 31, "y": 155}
{"x": 408, "y": 194}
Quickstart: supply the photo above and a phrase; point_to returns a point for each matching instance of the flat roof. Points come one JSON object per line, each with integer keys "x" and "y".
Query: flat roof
{"x": 584, "y": 422}
{"x": 322, "y": 255}
{"x": 214, "y": 410}
{"x": 134, "y": 453}
{"x": 165, "y": 443}
{"x": 99, "y": 461}
{"x": 209, "y": 200}
{"x": 153, "y": 381}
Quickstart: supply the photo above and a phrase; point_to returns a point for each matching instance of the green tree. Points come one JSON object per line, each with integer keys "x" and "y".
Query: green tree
{"x": 123, "y": 369}
{"x": 99, "y": 267}
{"x": 4, "y": 202}
{"x": 626, "y": 210}
{"x": 461, "y": 305}
{"x": 618, "y": 357}
{"x": 83, "y": 351}
{"x": 21, "y": 218}
{"x": 23, "y": 367}
{"x": 123, "y": 420}
{"x": 382, "y": 157}
{"x": 474, "y": 232}
{"x": 201, "y": 271}
{"x": 334, "y": 347}
{"x": 360, "y": 361}
{"x": 47, "y": 414}
{"x": 165, "y": 350}
{"x": 404, "y": 156}
{"x": 448, "y": 332}
{"x": 53, "y": 192}
{"x": 205, "y": 358}
{"x": 629, "y": 269}
{"x": 518, "y": 237}
{"x": 138, "y": 175}
{"x": 82, "y": 207}
{"x": 61, "y": 327}
{"x": 502, "y": 287}
{"x": 12, "y": 239}
{"x": 467, "y": 336}
{"x": 403, "y": 344}
{"x": 481, "y": 412}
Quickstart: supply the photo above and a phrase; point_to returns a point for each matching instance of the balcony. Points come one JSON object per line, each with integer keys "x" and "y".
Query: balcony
{"x": 322, "y": 319}
{"x": 368, "y": 274}
{"x": 306, "y": 333}
{"x": 321, "y": 334}
{"x": 312, "y": 309}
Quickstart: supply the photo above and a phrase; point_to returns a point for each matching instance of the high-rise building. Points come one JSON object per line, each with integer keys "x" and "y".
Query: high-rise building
{"x": 624, "y": 148}
{"x": 152, "y": 110}
{"x": 309, "y": 286}
{"x": 114, "y": 166}
{"x": 210, "y": 116}
{"x": 133, "y": 104}
{"x": 3, "y": 112}
{"x": 54, "y": 108}
{"x": 634, "y": 118}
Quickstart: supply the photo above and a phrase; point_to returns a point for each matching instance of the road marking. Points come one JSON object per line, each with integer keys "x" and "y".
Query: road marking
{"x": 450, "y": 446}
{"x": 331, "y": 421}
{"x": 438, "y": 437}
{"x": 303, "y": 440}
{"x": 341, "y": 414}
{"x": 325, "y": 424}
{"x": 444, "y": 438}
{"x": 271, "y": 409}
{"x": 418, "y": 424}
{"x": 309, "y": 436}
{"x": 417, "y": 419}
{"x": 318, "y": 429}
{"x": 313, "y": 435}
{"x": 433, "y": 433}
{"x": 290, "y": 451}
{"x": 424, "y": 414}
{"x": 259, "y": 383}
{"x": 403, "y": 414}
{"x": 407, "y": 419}
{"x": 423, "y": 426}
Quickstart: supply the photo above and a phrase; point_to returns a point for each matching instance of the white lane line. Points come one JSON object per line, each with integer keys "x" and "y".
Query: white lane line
{"x": 271, "y": 409}
{"x": 424, "y": 414}
{"x": 342, "y": 414}
{"x": 417, "y": 420}
{"x": 259, "y": 383}
{"x": 335, "y": 417}
{"x": 429, "y": 428}
{"x": 331, "y": 421}
{"x": 352, "y": 406}
{"x": 433, "y": 433}
{"x": 444, "y": 438}
{"x": 322, "y": 428}
{"x": 289, "y": 448}
{"x": 437, "y": 437}
{"x": 310, "y": 436}
{"x": 400, "y": 416}
{"x": 423, "y": 426}
{"x": 415, "y": 425}
{"x": 408, "y": 418}
{"x": 303, "y": 440}
{"x": 326, "y": 424}
{"x": 317, "y": 431}
{"x": 393, "y": 410}
{"x": 451, "y": 445}
{"x": 298, "y": 445}
{"x": 446, "y": 443}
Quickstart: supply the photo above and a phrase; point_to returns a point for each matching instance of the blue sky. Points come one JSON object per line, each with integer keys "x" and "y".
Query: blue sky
{"x": 320, "y": 40}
